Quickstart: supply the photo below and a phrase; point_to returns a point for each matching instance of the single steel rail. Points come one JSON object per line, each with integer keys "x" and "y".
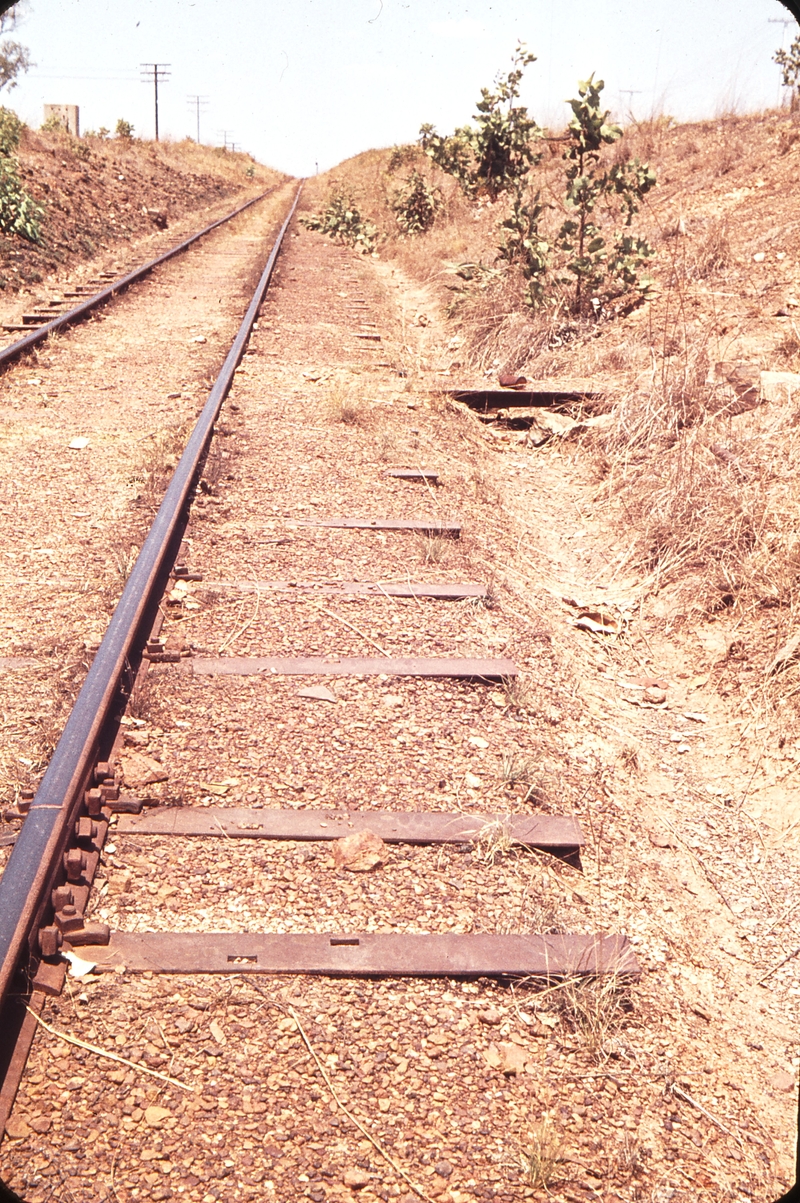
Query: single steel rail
{"x": 34, "y": 861}
{"x": 40, "y": 333}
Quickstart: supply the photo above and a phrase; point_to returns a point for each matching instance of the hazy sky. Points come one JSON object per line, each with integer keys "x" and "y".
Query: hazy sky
{"x": 314, "y": 81}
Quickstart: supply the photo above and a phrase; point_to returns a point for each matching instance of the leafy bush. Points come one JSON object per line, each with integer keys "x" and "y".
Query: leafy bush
{"x": 789, "y": 62}
{"x": 342, "y": 221}
{"x": 595, "y": 267}
{"x": 403, "y": 155}
{"x": 19, "y": 212}
{"x": 124, "y": 129}
{"x": 492, "y": 156}
{"x": 53, "y": 125}
{"x": 415, "y": 204}
{"x": 524, "y": 245}
{"x": 10, "y": 131}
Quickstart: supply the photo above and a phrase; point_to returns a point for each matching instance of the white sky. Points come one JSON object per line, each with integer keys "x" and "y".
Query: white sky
{"x": 301, "y": 82}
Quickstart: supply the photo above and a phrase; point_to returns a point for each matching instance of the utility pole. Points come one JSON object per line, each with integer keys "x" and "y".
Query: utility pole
{"x": 224, "y": 133}
{"x": 630, "y": 92}
{"x": 159, "y": 73}
{"x": 197, "y": 103}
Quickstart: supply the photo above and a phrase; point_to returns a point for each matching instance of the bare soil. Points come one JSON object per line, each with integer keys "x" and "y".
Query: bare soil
{"x": 103, "y": 197}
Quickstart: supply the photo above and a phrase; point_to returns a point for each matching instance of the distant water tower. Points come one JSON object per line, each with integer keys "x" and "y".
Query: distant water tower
{"x": 67, "y": 114}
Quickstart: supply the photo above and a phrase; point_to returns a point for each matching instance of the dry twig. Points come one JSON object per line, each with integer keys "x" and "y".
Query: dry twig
{"x": 101, "y": 1052}
{"x": 376, "y": 1144}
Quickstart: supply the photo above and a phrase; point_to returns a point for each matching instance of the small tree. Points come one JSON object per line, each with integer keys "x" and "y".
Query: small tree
{"x": 789, "y": 61}
{"x": 491, "y": 156}
{"x": 124, "y": 129}
{"x": 415, "y": 204}
{"x": 588, "y": 258}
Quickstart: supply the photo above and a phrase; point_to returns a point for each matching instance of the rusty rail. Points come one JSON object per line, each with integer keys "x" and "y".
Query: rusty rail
{"x": 89, "y": 731}
{"x": 40, "y": 333}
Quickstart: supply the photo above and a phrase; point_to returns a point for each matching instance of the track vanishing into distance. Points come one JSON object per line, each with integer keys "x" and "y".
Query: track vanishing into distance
{"x": 263, "y": 811}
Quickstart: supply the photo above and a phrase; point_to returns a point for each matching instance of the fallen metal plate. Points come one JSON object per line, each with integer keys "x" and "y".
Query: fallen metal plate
{"x": 348, "y": 666}
{"x": 412, "y": 474}
{"x": 422, "y": 526}
{"x": 457, "y": 592}
{"x": 502, "y": 398}
{"x": 347, "y": 955}
{"x": 425, "y": 827}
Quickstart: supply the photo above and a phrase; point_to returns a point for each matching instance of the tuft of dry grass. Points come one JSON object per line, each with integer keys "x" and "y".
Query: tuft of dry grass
{"x": 433, "y": 549}
{"x": 343, "y": 405}
{"x": 494, "y": 839}
{"x": 540, "y": 1156}
{"x": 595, "y": 1009}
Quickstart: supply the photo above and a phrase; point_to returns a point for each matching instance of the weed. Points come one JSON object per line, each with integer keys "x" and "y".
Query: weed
{"x": 19, "y": 212}
{"x": 713, "y": 254}
{"x": 493, "y": 155}
{"x": 630, "y": 758}
{"x": 540, "y": 1156}
{"x": 494, "y": 839}
{"x": 387, "y": 445}
{"x": 124, "y": 130}
{"x": 519, "y": 694}
{"x": 788, "y": 349}
{"x": 594, "y": 1010}
{"x": 516, "y": 770}
{"x": 524, "y": 245}
{"x": 53, "y": 125}
{"x": 415, "y": 204}
{"x": 342, "y": 221}
{"x": 789, "y": 62}
{"x": 140, "y": 700}
{"x": 404, "y": 155}
{"x": 433, "y": 548}
{"x": 342, "y": 406}
{"x": 10, "y": 131}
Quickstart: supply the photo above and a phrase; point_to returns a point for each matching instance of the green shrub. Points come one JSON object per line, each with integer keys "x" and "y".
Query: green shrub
{"x": 124, "y": 129}
{"x": 415, "y": 204}
{"x": 403, "y": 155}
{"x": 524, "y": 245}
{"x": 52, "y": 125}
{"x": 342, "y": 221}
{"x": 10, "y": 131}
{"x": 493, "y": 155}
{"x": 19, "y": 212}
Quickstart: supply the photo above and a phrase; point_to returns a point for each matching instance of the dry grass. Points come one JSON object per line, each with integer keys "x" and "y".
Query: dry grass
{"x": 710, "y": 493}
{"x": 595, "y": 1010}
{"x": 343, "y": 405}
{"x": 540, "y": 1156}
{"x": 494, "y": 840}
{"x": 433, "y": 549}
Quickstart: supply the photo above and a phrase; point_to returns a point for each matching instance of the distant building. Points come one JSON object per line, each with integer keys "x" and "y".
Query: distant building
{"x": 67, "y": 114}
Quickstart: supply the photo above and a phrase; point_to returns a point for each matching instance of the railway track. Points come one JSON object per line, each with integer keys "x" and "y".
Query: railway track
{"x": 282, "y": 679}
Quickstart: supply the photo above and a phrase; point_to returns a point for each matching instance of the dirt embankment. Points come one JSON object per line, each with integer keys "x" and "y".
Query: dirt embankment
{"x": 100, "y": 195}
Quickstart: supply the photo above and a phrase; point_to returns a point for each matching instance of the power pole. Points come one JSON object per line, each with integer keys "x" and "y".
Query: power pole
{"x": 630, "y": 92}
{"x": 159, "y": 73}
{"x": 224, "y": 133}
{"x": 197, "y": 103}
